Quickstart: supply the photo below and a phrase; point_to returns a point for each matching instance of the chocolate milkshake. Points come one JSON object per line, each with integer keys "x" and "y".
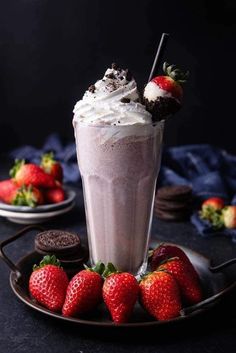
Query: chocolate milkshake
{"x": 119, "y": 152}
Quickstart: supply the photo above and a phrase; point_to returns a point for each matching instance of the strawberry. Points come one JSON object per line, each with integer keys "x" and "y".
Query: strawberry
{"x": 28, "y": 196}
{"x": 12, "y": 194}
{"x": 216, "y": 203}
{"x": 160, "y": 295}
{"x": 165, "y": 252}
{"x": 51, "y": 166}
{"x": 48, "y": 283}
{"x": 84, "y": 292}
{"x": 163, "y": 94}
{"x": 26, "y": 174}
{"x": 8, "y": 190}
{"x": 189, "y": 285}
{"x": 55, "y": 195}
{"x": 229, "y": 216}
{"x": 212, "y": 211}
{"x": 120, "y": 293}
{"x": 171, "y": 82}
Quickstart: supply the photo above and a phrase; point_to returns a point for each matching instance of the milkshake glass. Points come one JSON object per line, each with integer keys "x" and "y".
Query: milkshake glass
{"x": 119, "y": 167}
{"x": 119, "y": 152}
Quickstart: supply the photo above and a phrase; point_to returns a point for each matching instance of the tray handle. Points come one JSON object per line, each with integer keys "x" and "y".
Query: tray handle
{"x": 207, "y": 302}
{"x": 19, "y": 234}
{"x": 218, "y": 268}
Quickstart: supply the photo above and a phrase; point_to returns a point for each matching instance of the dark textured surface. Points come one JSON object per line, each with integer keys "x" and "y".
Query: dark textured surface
{"x": 23, "y": 330}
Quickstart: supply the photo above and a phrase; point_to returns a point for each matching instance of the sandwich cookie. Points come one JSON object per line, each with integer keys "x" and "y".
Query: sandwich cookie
{"x": 66, "y": 246}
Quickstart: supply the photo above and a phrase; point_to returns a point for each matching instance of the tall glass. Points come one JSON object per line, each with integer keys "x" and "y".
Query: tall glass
{"x": 119, "y": 166}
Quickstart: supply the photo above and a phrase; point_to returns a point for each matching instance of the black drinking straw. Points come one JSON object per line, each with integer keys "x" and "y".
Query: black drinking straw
{"x": 159, "y": 53}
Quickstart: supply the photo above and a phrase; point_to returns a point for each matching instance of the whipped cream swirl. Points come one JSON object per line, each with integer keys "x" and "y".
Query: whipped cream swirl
{"x": 113, "y": 100}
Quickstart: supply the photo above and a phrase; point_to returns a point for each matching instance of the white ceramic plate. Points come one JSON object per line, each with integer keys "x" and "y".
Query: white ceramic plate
{"x": 34, "y": 217}
{"x": 70, "y": 197}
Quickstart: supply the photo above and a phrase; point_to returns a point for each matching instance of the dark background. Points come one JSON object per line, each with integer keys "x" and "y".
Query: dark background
{"x": 51, "y": 50}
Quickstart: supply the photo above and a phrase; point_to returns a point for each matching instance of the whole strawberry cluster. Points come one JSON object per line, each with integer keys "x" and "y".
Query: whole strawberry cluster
{"x": 172, "y": 283}
{"x": 218, "y": 214}
{"x": 32, "y": 185}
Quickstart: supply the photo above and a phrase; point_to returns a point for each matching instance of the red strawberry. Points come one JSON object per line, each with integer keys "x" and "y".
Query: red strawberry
{"x": 229, "y": 216}
{"x": 160, "y": 295}
{"x": 189, "y": 285}
{"x": 51, "y": 166}
{"x": 163, "y": 94}
{"x": 26, "y": 174}
{"x": 12, "y": 194}
{"x": 84, "y": 292}
{"x": 216, "y": 203}
{"x": 8, "y": 190}
{"x": 120, "y": 293}
{"x": 28, "y": 196}
{"x": 212, "y": 211}
{"x": 48, "y": 283}
{"x": 165, "y": 252}
{"x": 171, "y": 82}
{"x": 55, "y": 195}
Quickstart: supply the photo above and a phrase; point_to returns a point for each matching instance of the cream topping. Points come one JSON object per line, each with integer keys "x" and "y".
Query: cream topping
{"x": 113, "y": 100}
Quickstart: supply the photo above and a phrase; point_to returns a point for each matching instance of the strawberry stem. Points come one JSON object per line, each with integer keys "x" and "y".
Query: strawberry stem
{"x": 16, "y": 167}
{"x": 47, "y": 160}
{"x": 47, "y": 260}
{"x": 215, "y": 217}
{"x": 176, "y": 74}
{"x": 109, "y": 270}
{"x": 99, "y": 268}
{"x": 25, "y": 197}
{"x": 168, "y": 260}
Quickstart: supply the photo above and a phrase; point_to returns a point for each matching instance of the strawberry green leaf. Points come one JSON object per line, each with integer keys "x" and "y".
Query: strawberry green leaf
{"x": 25, "y": 197}
{"x": 99, "y": 268}
{"x": 47, "y": 160}
{"x": 47, "y": 260}
{"x": 18, "y": 164}
{"x": 215, "y": 217}
{"x": 110, "y": 269}
{"x": 176, "y": 74}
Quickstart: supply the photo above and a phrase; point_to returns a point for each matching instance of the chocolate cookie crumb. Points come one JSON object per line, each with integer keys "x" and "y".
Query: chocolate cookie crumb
{"x": 111, "y": 86}
{"x": 162, "y": 107}
{"x": 92, "y": 88}
{"x": 125, "y": 100}
{"x": 111, "y": 75}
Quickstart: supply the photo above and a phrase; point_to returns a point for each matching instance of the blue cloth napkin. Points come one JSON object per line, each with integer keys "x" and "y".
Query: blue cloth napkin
{"x": 65, "y": 154}
{"x": 209, "y": 170}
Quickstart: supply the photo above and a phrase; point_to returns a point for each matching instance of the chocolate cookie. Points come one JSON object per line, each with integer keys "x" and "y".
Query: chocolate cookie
{"x": 175, "y": 216}
{"x": 66, "y": 246}
{"x": 172, "y": 205}
{"x": 174, "y": 192}
{"x": 57, "y": 242}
